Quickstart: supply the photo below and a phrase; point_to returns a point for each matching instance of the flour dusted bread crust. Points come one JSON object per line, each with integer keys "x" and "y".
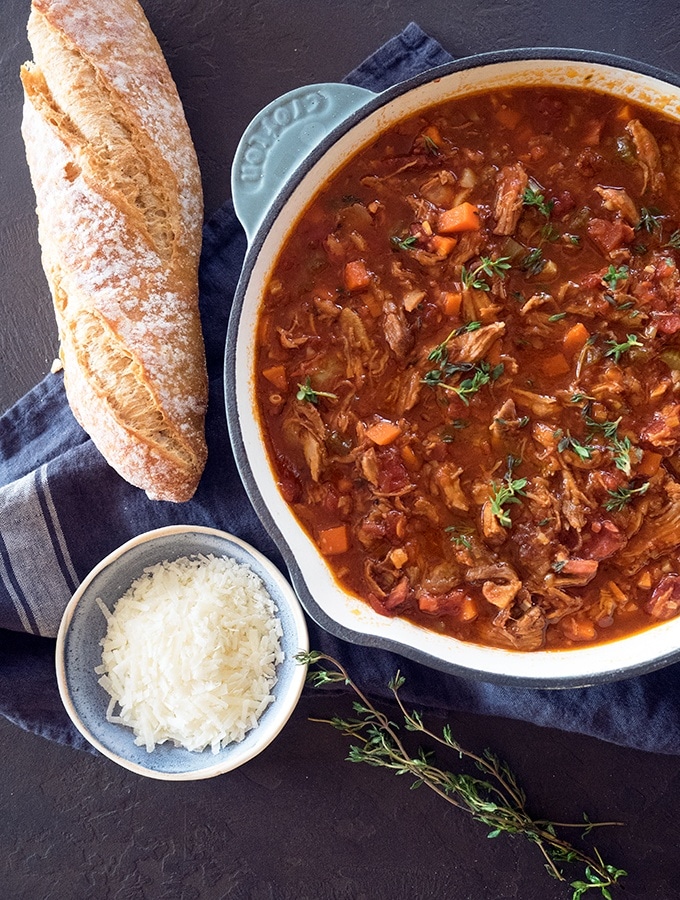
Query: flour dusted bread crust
{"x": 120, "y": 213}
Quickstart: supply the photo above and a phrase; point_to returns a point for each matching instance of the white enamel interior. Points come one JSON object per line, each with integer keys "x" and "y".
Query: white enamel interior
{"x": 577, "y": 666}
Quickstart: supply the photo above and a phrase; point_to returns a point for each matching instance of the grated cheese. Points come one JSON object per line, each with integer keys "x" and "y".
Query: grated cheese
{"x": 190, "y": 653}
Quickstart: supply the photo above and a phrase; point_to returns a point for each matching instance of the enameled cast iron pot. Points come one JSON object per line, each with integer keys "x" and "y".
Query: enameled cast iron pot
{"x": 291, "y": 149}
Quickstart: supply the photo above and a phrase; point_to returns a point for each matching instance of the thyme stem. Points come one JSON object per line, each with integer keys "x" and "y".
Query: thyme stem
{"x": 496, "y": 800}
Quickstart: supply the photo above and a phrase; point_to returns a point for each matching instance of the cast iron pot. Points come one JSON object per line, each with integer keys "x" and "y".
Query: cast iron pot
{"x": 289, "y": 150}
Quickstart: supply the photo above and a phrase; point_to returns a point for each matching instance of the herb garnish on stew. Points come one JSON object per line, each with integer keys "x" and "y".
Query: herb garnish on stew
{"x": 502, "y": 282}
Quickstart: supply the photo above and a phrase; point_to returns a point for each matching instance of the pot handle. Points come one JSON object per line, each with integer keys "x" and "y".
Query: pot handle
{"x": 279, "y": 138}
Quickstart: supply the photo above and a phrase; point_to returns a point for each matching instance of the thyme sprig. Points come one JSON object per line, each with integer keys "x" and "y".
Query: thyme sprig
{"x": 615, "y": 274}
{"x": 440, "y": 352}
{"x": 308, "y": 394}
{"x": 487, "y": 266}
{"x": 404, "y": 243}
{"x": 650, "y": 220}
{"x": 617, "y": 350}
{"x": 622, "y": 496}
{"x": 674, "y": 240}
{"x": 479, "y": 374}
{"x": 495, "y": 799}
{"x": 534, "y": 197}
{"x": 507, "y": 492}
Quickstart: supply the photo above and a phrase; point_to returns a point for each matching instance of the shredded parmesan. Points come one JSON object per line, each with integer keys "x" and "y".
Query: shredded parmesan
{"x": 190, "y": 653}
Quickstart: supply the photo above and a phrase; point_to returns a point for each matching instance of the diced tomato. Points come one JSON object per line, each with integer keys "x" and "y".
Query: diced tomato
{"x": 563, "y": 203}
{"x": 357, "y": 277}
{"x": 450, "y": 602}
{"x": 393, "y": 474}
{"x": 665, "y": 600}
{"x": 668, "y": 323}
{"x": 288, "y": 481}
{"x": 610, "y": 234}
{"x": 604, "y": 541}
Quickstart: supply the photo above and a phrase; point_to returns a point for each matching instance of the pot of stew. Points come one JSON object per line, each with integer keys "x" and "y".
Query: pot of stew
{"x": 453, "y": 362}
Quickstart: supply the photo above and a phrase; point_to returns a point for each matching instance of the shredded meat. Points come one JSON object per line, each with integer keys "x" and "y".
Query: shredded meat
{"x": 618, "y": 201}
{"x": 475, "y": 345}
{"x": 648, "y": 155}
{"x": 526, "y": 632}
{"x": 511, "y": 183}
{"x": 479, "y": 386}
{"x": 396, "y": 329}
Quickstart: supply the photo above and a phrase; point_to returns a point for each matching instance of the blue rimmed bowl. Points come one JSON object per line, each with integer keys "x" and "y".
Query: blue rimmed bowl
{"x": 289, "y": 152}
{"x": 79, "y": 651}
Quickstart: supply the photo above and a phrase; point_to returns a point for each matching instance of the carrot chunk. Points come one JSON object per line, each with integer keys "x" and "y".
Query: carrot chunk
{"x": 433, "y": 134}
{"x": 555, "y": 365}
{"x": 468, "y": 610}
{"x": 276, "y": 375}
{"x": 650, "y": 463}
{"x": 578, "y": 628}
{"x": 464, "y": 217}
{"x": 333, "y": 541}
{"x": 508, "y": 116}
{"x": 383, "y": 433}
{"x": 452, "y": 302}
{"x": 443, "y": 245}
{"x": 409, "y": 457}
{"x": 356, "y": 276}
{"x": 575, "y": 339}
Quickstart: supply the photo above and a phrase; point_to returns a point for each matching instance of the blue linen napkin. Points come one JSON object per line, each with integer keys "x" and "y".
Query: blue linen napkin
{"x": 62, "y": 509}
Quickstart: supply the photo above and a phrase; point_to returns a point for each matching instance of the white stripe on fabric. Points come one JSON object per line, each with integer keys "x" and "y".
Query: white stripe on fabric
{"x": 9, "y": 587}
{"x": 34, "y": 563}
{"x": 56, "y": 524}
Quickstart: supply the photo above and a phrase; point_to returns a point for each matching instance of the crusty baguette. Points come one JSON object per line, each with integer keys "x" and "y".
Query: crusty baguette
{"x": 120, "y": 212}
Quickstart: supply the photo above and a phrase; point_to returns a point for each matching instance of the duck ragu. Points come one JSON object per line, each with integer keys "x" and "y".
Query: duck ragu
{"x": 468, "y": 369}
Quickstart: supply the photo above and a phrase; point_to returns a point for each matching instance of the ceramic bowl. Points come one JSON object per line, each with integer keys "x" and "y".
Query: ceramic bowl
{"x": 290, "y": 150}
{"x": 84, "y": 625}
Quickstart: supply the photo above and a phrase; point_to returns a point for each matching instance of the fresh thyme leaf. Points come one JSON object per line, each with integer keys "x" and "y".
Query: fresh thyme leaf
{"x": 574, "y": 239}
{"x": 433, "y": 377}
{"x": 617, "y": 350}
{"x": 622, "y": 496}
{"x": 550, "y": 233}
{"x": 535, "y": 198}
{"x": 622, "y": 454}
{"x": 405, "y": 243}
{"x": 674, "y": 240}
{"x": 534, "y": 262}
{"x": 438, "y": 354}
{"x": 493, "y": 798}
{"x": 469, "y": 386}
{"x": 570, "y": 443}
{"x": 615, "y": 274}
{"x": 487, "y": 266}
{"x": 479, "y": 374}
{"x": 557, "y": 316}
{"x": 608, "y": 428}
{"x": 649, "y": 220}
{"x": 507, "y": 492}
{"x": 459, "y": 536}
{"x": 466, "y": 329}
{"x": 431, "y": 145}
{"x": 307, "y": 393}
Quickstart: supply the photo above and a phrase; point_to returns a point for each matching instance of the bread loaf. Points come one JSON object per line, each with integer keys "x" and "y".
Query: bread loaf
{"x": 120, "y": 212}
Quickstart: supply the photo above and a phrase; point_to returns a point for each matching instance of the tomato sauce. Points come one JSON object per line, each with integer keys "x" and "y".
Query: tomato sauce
{"x": 468, "y": 369}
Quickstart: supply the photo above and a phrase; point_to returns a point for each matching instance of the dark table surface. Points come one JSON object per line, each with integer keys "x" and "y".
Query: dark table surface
{"x": 298, "y": 821}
